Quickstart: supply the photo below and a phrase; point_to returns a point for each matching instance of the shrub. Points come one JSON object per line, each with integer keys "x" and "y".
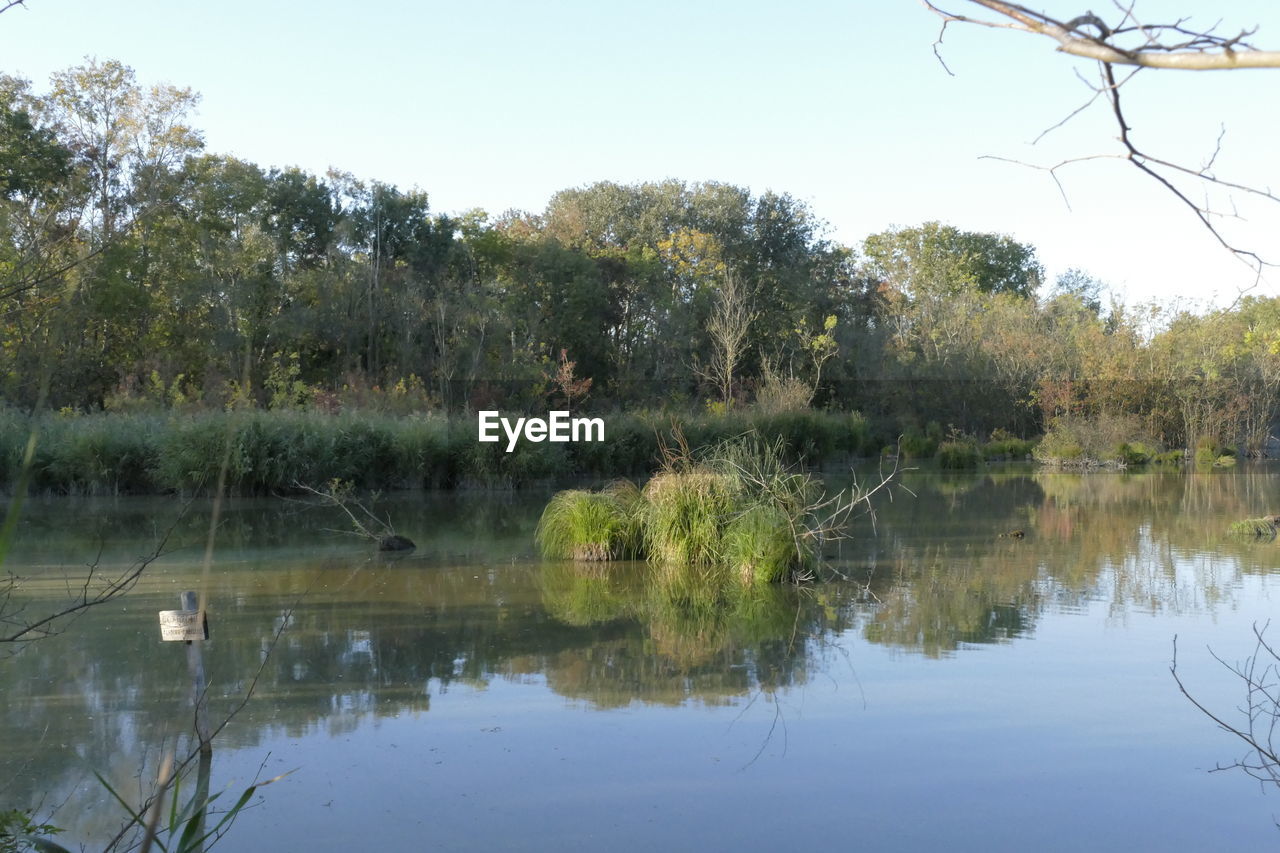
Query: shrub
{"x": 1136, "y": 453}
{"x": 959, "y": 455}
{"x": 1005, "y": 445}
{"x": 684, "y": 515}
{"x": 98, "y": 453}
{"x": 735, "y": 510}
{"x": 916, "y": 445}
{"x": 1074, "y": 439}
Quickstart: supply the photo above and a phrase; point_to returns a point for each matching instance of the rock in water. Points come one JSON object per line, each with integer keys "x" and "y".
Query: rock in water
{"x": 395, "y": 543}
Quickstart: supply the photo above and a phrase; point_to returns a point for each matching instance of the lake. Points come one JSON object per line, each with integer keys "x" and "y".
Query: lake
{"x": 949, "y": 687}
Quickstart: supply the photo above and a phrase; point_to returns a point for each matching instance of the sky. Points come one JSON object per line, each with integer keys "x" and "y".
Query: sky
{"x": 840, "y": 103}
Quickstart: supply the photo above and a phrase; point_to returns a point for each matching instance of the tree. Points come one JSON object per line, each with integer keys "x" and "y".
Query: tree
{"x": 728, "y": 327}
{"x": 38, "y": 195}
{"x": 939, "y": 260}
{"x": 127, "y": 137}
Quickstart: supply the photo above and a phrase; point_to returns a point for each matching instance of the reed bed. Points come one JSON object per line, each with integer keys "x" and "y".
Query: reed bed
{"x": 270, "y": 450}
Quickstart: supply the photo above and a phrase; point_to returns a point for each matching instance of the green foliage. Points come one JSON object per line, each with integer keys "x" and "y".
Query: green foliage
{"x": 1210, "y": 453}
{"x": 760, "y": 544}
{"x": 934, "y": 258}
{"x": 19, "y": 832}
{"x": 1073, "y": 440}
{"x": 1135, "y": 453}
{"x": 1005, "y": 446}
{"x": 269, "y": 451}
{"x": 685, "y": 512}
{"x": 592, "y": 526}
{"x": 146, "y": 277}
{"x": 284, "y": 385}
{"x": 95, "y": 454}
{"x": 917, "y": 445}
{"x": 734, "y": 513}
{"x": 962, "y": 454}
{"x": 490, "y": 465}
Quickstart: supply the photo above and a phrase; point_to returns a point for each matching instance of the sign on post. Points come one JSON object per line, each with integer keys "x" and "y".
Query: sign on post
{"x": 190, "y": 624}
{"x": 186, "y": 625}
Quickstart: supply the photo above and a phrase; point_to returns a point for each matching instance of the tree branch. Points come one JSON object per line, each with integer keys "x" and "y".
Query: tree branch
{"x": 1201, "y": 51}
{"x": 1138, "y": 45}
{"x": 88, "y": 595}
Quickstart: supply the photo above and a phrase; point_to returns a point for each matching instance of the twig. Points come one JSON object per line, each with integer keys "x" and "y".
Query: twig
{"x": 110, "y": 589}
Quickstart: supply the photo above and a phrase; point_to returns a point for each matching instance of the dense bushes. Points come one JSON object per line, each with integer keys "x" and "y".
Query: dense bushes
{"x": 1103, "y": 440}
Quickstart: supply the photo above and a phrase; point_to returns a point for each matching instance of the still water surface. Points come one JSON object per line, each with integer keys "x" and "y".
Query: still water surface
{"x": 958, "y": 691}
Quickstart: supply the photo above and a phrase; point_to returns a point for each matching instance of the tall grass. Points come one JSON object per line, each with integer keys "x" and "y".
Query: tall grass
{"x": 591, "y": 526}
{"x": 762, "y": 547}
{"x": 162, "y": 452}
{"x": 736, "y": 512}
{"x": 959, "y": 455}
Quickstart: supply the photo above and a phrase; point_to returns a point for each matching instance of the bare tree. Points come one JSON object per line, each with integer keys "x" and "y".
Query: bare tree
{"x": 728, "y": 327}
{"x": 1136, "y": 46}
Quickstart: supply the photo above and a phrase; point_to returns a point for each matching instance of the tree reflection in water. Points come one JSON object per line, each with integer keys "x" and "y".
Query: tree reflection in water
{"x": 373, "y": 640}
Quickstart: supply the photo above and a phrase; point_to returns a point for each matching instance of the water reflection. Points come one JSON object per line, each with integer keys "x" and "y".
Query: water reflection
{"x": 367, "y": 639}
{"x": 708, "y": 646}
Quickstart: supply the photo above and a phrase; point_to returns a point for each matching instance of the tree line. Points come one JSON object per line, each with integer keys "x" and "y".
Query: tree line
{"x": 138, "y": 269}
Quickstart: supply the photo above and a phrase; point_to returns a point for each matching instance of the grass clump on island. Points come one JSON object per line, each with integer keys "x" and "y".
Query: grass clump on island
{"x": 1255, "y": 528}
{"x": 592, "y": 526}
{"x": 734, "y": 514}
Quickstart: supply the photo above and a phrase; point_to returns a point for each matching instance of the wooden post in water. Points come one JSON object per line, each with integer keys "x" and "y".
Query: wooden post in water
{"x": 202, "y": 794}
{"x": 195, "y": 666}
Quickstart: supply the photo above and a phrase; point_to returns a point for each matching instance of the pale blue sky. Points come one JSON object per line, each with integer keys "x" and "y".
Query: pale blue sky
{"x": 498, "y": 105}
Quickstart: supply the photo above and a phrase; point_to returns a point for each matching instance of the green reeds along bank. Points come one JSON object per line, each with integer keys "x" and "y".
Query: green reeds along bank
{"x": 591, "y": 526}
{"x": 1254, "y": 528}
{"x": 269, "y": 451}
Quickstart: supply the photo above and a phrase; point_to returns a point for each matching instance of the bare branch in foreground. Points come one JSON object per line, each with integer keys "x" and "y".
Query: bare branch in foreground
{"x": 1138, "y": 45}
{"x": 1259, "y": 675}
{"x": 95, "y": 589}
{"x": 1167, "y": 45}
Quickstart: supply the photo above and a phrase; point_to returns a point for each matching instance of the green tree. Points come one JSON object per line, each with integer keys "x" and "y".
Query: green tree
{"x": 936, "y": 259}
